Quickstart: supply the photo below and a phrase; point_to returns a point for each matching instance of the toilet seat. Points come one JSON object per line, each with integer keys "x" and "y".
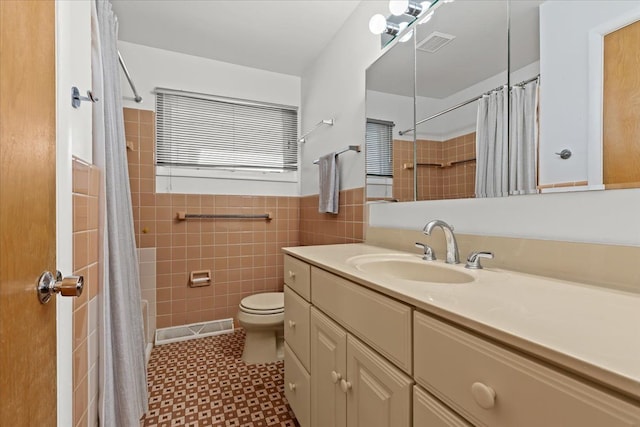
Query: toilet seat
{"x": 263, "y": 304}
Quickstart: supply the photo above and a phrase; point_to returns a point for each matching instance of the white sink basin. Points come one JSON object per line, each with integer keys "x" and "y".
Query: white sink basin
{"x": 408, "y": 267}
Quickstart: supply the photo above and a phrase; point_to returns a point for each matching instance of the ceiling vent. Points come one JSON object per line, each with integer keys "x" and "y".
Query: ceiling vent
{"x": 434, "y": 42}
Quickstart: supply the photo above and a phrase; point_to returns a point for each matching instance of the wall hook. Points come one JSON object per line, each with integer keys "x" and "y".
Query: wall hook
{"x": 76, "y": 99}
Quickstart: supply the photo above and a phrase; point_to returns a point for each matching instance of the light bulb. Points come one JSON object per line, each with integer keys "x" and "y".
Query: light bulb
{"x": 426, "y": 18}
{"x": 377, "y": 24}
{"x": 406, "y": 37}
{"x": 398, "y": 7}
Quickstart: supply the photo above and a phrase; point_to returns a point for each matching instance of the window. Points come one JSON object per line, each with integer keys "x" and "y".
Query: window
{"x": 208, "y": 132}
{"x": 378, "y": 142}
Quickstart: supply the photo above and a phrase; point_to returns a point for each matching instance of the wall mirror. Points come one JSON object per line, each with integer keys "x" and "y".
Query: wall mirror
{"x": 461, "y": 62}
{"x": 589, "y": 99}
{"x": 586, "y": 102}
{"x": 389, "y": 108}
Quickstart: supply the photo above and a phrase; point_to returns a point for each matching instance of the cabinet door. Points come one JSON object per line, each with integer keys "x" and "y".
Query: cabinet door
{"x": 378, "y": 393}
{"x": 297, "y": 386}
{"x": 328, "y": 367}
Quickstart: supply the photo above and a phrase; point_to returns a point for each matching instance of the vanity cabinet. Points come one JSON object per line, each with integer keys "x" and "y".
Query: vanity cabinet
{"x": 328, "y": 365}
{"x": 296, "y": 325}
{"x": 297, "y": 386}
{"x": 493, "y": 386}
{"x": 297, "y": 276}
{"x": 297, "y": 380}
{"x": 381, "y": 322}
{"x": 428, "y": 411}
{"x": 347, "y": 351}
{"x": 374, "y": 360}
{"x": 352, "y": 385}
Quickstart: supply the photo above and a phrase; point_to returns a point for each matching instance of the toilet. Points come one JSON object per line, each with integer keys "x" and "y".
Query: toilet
{"x": 262, "y": 317}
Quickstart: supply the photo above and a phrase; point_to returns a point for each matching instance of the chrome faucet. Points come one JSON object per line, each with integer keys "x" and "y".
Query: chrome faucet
{"x": 452, "y": 246}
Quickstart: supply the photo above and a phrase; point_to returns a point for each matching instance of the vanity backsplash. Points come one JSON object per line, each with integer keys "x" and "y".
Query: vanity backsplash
{"x": 609, "y": 266}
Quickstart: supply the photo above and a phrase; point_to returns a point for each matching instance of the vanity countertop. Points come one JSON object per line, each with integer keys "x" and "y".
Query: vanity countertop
{"x": 592, "y": 331}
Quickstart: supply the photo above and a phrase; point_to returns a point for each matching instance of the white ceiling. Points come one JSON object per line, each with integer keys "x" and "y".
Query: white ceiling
{"x": 280, "y": 36}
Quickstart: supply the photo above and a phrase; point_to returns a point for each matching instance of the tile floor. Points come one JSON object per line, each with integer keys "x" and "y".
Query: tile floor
{"x": 204, "y": 382}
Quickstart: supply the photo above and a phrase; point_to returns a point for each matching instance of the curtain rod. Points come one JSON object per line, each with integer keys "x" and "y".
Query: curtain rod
{"x": 355, "y": 148}
{"x": 137, "y": 97}
{"x": 467, "y": 102}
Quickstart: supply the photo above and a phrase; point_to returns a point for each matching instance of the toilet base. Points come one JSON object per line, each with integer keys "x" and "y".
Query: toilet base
{"x": 263, "y": 346}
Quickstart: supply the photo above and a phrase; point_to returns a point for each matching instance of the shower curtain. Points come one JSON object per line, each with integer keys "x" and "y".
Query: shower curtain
{"x": 492, "y": 175}
{"x": 123, "y": 383}
{"x": 523, "y": 144}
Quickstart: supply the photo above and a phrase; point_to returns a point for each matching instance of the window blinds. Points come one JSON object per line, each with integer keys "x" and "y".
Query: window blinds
{"x": 379, "y": 137}
{"x": 196, "y": 130}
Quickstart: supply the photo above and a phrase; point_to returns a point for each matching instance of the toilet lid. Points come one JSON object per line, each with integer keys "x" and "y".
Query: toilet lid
{"x": 264, "y": 303}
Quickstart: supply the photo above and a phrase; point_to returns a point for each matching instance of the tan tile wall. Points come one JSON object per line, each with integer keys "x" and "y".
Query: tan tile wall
{"x": 244, "y": 256}
{"x": 402, "y": 177}
{"x": 430, "y": 179}
{"x": 439, "y": 175}
{"x": 323, "y": 229}
{"x": 459, "y": 180}
{"x": 86, "y": 184}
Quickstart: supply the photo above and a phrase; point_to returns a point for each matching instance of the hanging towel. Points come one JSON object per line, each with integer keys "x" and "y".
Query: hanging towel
{"x": 329, "y": 183}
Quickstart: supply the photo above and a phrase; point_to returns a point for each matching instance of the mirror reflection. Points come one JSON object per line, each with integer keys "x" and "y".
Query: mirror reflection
{"x": 461, "y": 102}
{"x": 589, "y": 93}
{"x": 389, "y": 108}
{"x": 574, "y": 105}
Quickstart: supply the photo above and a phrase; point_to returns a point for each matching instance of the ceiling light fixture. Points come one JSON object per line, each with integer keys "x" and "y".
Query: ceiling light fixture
{"x": 405, "y": 7}
{"x": 397, "y": 7}
{"x": 378, "y": 24}
{"x": 426, "y": 17}
{"x": 406, "y": 37}
{"x": 405, "y": 13}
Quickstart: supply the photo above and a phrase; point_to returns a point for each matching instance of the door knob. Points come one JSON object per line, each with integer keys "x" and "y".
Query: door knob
{"x": 292, "y": 324}
{"x": 335, "y": 377}
{"x": 70, "y": 286}
{"x": 345, "y": 385}
{"x": 292, "y": 386}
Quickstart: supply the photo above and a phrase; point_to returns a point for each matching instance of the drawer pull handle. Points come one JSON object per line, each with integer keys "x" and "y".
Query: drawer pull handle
{"x": 292, "y": 275}
{"x": 335, "y": 377}
{"x": 484, "y": 395}
{"x": 292, "y": 387}
{"x": 345, "y": 385}
{"x": 292, "y": 324}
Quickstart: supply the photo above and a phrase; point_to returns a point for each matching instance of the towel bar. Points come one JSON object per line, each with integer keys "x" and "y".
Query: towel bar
{"x": 183, "y": 215}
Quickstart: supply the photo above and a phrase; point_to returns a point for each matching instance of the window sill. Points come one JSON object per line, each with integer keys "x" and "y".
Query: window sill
{"x": 165, "y": 171}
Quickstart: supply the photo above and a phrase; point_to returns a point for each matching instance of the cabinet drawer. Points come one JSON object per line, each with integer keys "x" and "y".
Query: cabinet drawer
{"x": 379, "y": 321}
{"x": 297, "y": 387}
{"x": 296, "y": 325}
{"x": 464, "y": 371}
{"x": 297, "y": 276}
{"x": 428, "y": 411}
